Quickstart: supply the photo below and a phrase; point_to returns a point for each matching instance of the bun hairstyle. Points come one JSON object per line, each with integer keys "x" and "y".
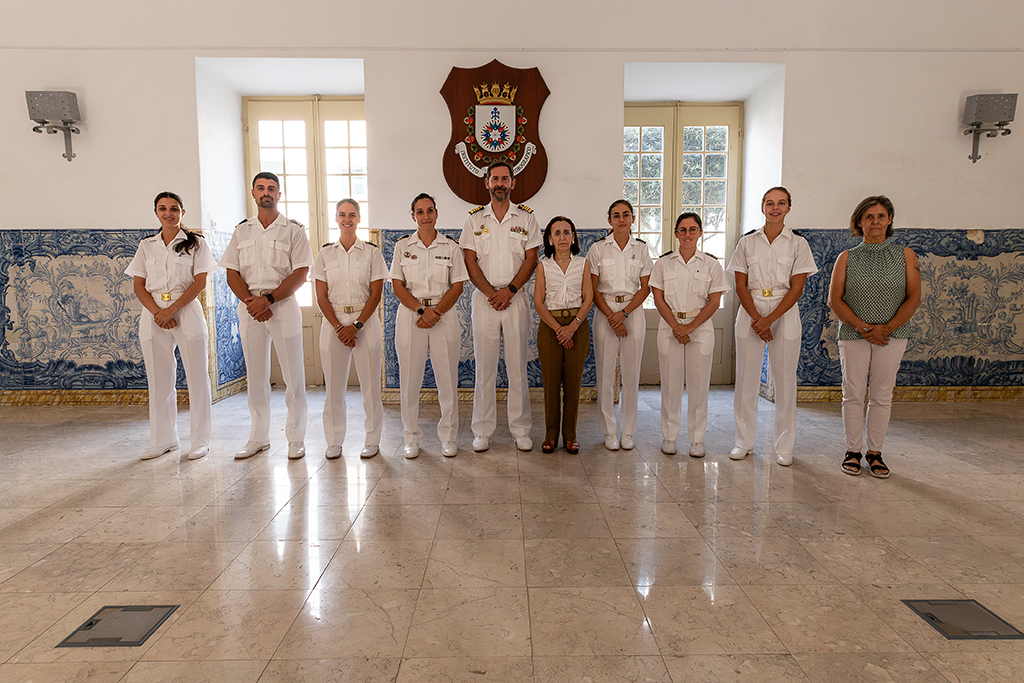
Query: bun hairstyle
{"x": 191, "y": 241}
{"x": 422, "y": 195}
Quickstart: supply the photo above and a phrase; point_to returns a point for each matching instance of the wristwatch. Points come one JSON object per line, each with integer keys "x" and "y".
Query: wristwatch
{"x": 512, "y": 288}
{"x": 420, "y": 310}
{"x": 269, "y": 296}
{"x": 358, "y": 325}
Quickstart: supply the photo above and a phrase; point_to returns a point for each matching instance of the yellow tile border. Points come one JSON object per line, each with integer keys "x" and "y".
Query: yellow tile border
{"x": 920, "y": 394}
{"x": 393, "y": 396}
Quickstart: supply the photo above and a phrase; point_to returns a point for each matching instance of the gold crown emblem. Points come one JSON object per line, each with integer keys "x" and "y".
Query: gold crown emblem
{"x": 495, "y": 93}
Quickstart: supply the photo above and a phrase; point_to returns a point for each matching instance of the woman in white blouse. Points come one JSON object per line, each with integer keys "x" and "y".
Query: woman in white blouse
{"x": 688, "y": 286}
{"x": 562, "y": 296}
{"x": 170, "y": 270}
{"x": 349, "y": 277}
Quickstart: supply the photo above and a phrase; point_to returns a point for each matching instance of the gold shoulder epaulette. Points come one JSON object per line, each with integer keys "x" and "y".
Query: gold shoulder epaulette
{"x": 525, "y": 208}
{"x": 472, "y": 211}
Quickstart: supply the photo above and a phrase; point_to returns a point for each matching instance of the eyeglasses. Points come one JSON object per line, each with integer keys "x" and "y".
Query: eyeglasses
{"x": 692, "y": 230}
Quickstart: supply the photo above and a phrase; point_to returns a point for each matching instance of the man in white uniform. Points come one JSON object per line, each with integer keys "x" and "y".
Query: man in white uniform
{"x": 500, "y": 242}
{"x": 267, "y": 260}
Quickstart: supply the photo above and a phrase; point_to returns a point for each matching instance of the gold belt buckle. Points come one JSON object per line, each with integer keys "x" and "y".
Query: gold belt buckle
{"x": 620, "y": 299}
{"x": 766, "y": 292}
{"x": 166, "y": 296}
{"x": 427, "y": 302}
{"x": 349, "y": 309}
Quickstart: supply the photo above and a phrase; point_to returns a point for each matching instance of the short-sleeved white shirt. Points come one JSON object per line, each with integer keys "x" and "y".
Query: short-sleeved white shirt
{"x": 772, "y": 265}
{"x": 428, "y": 272}
{"x": 619, "y": 270}
{"x": 265, "y": 257}
{"x": 164, "y": 269}
{"x": 500, "y": 247}
{"x": 563, "y": 290}
{"x": 688, "y": 286}
{"x": 348, "y": 274}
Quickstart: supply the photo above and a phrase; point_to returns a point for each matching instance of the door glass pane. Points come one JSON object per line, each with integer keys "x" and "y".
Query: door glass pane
{"x": 270, "y": 134}
{"x": 630, "y": 165}
{"x": 337, "y": 189}
{"x": 651, "y": 165}
{"x": 714, "y": 192}
{"x": 693, "y": 165}
{"x": 715, "y": 166}
{"x": 631, "y": 139}
{"x": 336, "y": 133}
{"x": 297, "y": 188}
{"x": 295, "y": 160}
{"x": 358, "y": 160}
{"x": 718, "y": 138}
{"x": 714, "y": 244}
{"x": 714, "y": 219}
{"x": 631, "y": 191}
{"x": 337, "y": 161}
{"x": 692, "y": 192}
{"x": 272, "y": 159}
{"x": 650, "y": 220}
{"x": 650, "y": 193}
{"x": 652, "y": 139}
{"x": 294, "y": 133}
{"x": 357, "y": 133}
{"x": 359, "y": 190}
{"x": 693, "y": 138}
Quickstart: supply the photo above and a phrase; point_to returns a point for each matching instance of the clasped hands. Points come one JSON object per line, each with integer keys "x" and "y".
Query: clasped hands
{"x": 258, "y": 308}
{"x": 501, "y": 299}
{"x": 429, "y": 318}
{"x": 165, "y": 318}
{"x": 617, "y": 320}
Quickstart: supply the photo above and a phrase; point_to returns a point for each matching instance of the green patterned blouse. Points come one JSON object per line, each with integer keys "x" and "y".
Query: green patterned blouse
{"x": 876, "y": 286}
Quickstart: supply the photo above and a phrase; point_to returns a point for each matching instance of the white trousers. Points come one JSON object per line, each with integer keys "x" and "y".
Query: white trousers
{"x": 192, "y": 339}
{"x": 629, "y": 350}
{"x": 783, "y": 356}
{"x": 285, "y": 329}
{"x": 442, "y": 342}
{"x": 337, "y": 359}
{"x": 489, "y": 326}
{"x": 689, "y": 366}
{"x": 871, "y": 368}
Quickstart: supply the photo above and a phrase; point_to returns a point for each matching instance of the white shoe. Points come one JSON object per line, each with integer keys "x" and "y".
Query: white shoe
{"x": 412, "y": 451}
{"x": 296, "y": 450}
{"x": 739, "y": 453}
{"x": 627, "y": 442}
{"x": 610, "y": 442}
{"x": 198, "y": 452}
{"x": 524, "y": 443}
{"x": 369, "y": 450}
{"x": 697, "y": 450}
{"x": 333, "y": 452}
{"x": 449, "y": 449}
{"x": 157, "y": 451}
{"x": 668, "y": 447}
{"x": 481, "y": 444}
{"x": 784, "y": 460}
{"x": 251, "y": 448}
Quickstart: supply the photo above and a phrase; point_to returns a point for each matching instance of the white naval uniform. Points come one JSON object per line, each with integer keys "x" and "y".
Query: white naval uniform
{"x": 168, "y": 274}
{"x": 619, "y": 272}
{"x": 348, "y": 275}
{"x": 264, "y": 258}
{"x": 769, "y": 266}
{"x": 500, "y": 251}
{"x": 687, "y": 288}
{"x": 428, "y": 274}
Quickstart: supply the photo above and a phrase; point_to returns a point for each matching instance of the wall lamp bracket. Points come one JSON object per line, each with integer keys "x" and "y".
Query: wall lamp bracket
{"x": 54, "y": 111}
{"x": 988, "y": 115}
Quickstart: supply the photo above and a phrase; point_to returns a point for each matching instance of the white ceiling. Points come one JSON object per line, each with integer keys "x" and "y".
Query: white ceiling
{"x": 694, "y": 82}
{"x": 289, "y": 76}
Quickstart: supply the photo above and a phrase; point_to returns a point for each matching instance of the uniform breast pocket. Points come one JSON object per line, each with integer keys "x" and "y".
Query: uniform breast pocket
{"x": 483, "y": 242}
{"x": 279, "y": 254}
{"x": 784, "y": 269}
{"x": 183, "y": 268}
{"x": 247, "y": 253}
{"x": 155, "y": 271}
{"x": 439, "y": 266}
{"x": 360, "y": 276}
{"x": 702, "y": 286}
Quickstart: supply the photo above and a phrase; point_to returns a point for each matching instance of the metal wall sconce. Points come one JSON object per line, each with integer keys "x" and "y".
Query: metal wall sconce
{"x": 54, "y": 111}
{"x": 990, "y": 109}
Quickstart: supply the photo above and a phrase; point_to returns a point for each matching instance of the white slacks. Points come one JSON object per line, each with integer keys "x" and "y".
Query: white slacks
{"x": 285, "y": 329}
{"x": 783, "y": 356}
{"x": 689, "y": 366}
{"x": 629, "y": 350}
{"x": 192, "y": 339}
{"x": 871, "y": 368}
{"x": 412, "y": 344}
{"x": 337, "y": 359}
{"x": 489, "y": 326}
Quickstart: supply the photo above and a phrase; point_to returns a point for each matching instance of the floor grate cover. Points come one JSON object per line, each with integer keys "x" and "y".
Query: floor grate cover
{"x": 963, "y": 620}
{"x": 119, "y": 626}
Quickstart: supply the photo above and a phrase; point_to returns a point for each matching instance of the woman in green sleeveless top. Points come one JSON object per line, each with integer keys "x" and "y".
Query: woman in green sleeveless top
{"x": 876, "y": 287}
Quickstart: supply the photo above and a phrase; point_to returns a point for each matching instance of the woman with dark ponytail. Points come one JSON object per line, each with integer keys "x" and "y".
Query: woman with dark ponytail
{"x": 170, "y": 270}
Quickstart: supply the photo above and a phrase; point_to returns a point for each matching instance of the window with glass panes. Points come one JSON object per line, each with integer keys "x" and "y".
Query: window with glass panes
{"x": 703, "y": 186}
{"x": 345, "y": 171}
{"x": 643, "y": 180}
{"x": 282, "y": 150}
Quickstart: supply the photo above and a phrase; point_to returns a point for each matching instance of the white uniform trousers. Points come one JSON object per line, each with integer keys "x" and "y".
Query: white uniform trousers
{"x": 285, "y": 329}
{"x": 783, "y": 356}
{"x": 689, "y": 366}
{"x": 629, "y": 349}
{"x": 873, "y": 368}
{"x": 192, "y": 339}
{"x": 337, "y": 359}
{"x": 412, "y": 344}
{"x": 488, "y": 327}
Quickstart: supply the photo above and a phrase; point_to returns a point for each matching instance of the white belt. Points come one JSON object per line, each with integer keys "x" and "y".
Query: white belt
{"x": 168, "y": 296}
{"x": 769, "y": 293}
{"x": 349, "y": 309}
{"x": 686, "y": 314}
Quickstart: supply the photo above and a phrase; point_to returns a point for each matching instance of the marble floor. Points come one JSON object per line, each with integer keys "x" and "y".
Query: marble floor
{"x": 506, "y": 566}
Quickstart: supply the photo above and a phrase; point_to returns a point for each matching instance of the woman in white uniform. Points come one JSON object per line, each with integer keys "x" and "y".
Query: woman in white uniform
{"x": 349, "y": 277}
{"x": 170, "y": 270}
{"x": 620, "y": 266}
{"x": 771, "y": 266}
{"x": 427, "y": 275}
{"x": 688, "y": 286}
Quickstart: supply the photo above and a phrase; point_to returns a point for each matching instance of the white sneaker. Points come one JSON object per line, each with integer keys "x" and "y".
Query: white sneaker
{"x": 668, "y": 447}
{"x": 412, "y": 451}
{"x": 369, "y": 450}
{"x": 784, "y": 460}
{"x": 449, "y": 449}
{"x": 524, "y": 443}
{"x": 610, "y": 442}
{"x": 157, "y": 451}
{"x": 697, "y": 450}
{"x": 627, "y": 442}
{"x": 481, "y": 444}
{"x": 739, "y": 453}
{"x": 198, "y": 452}
{"x": 251, "y": 448}
{"x": 296, "y": 450}
{"x": 333, "y": 452}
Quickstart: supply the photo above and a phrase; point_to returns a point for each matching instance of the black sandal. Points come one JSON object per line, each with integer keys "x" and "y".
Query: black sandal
{"x": 851, "y": 465}
{"x": 876, "y": 468}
